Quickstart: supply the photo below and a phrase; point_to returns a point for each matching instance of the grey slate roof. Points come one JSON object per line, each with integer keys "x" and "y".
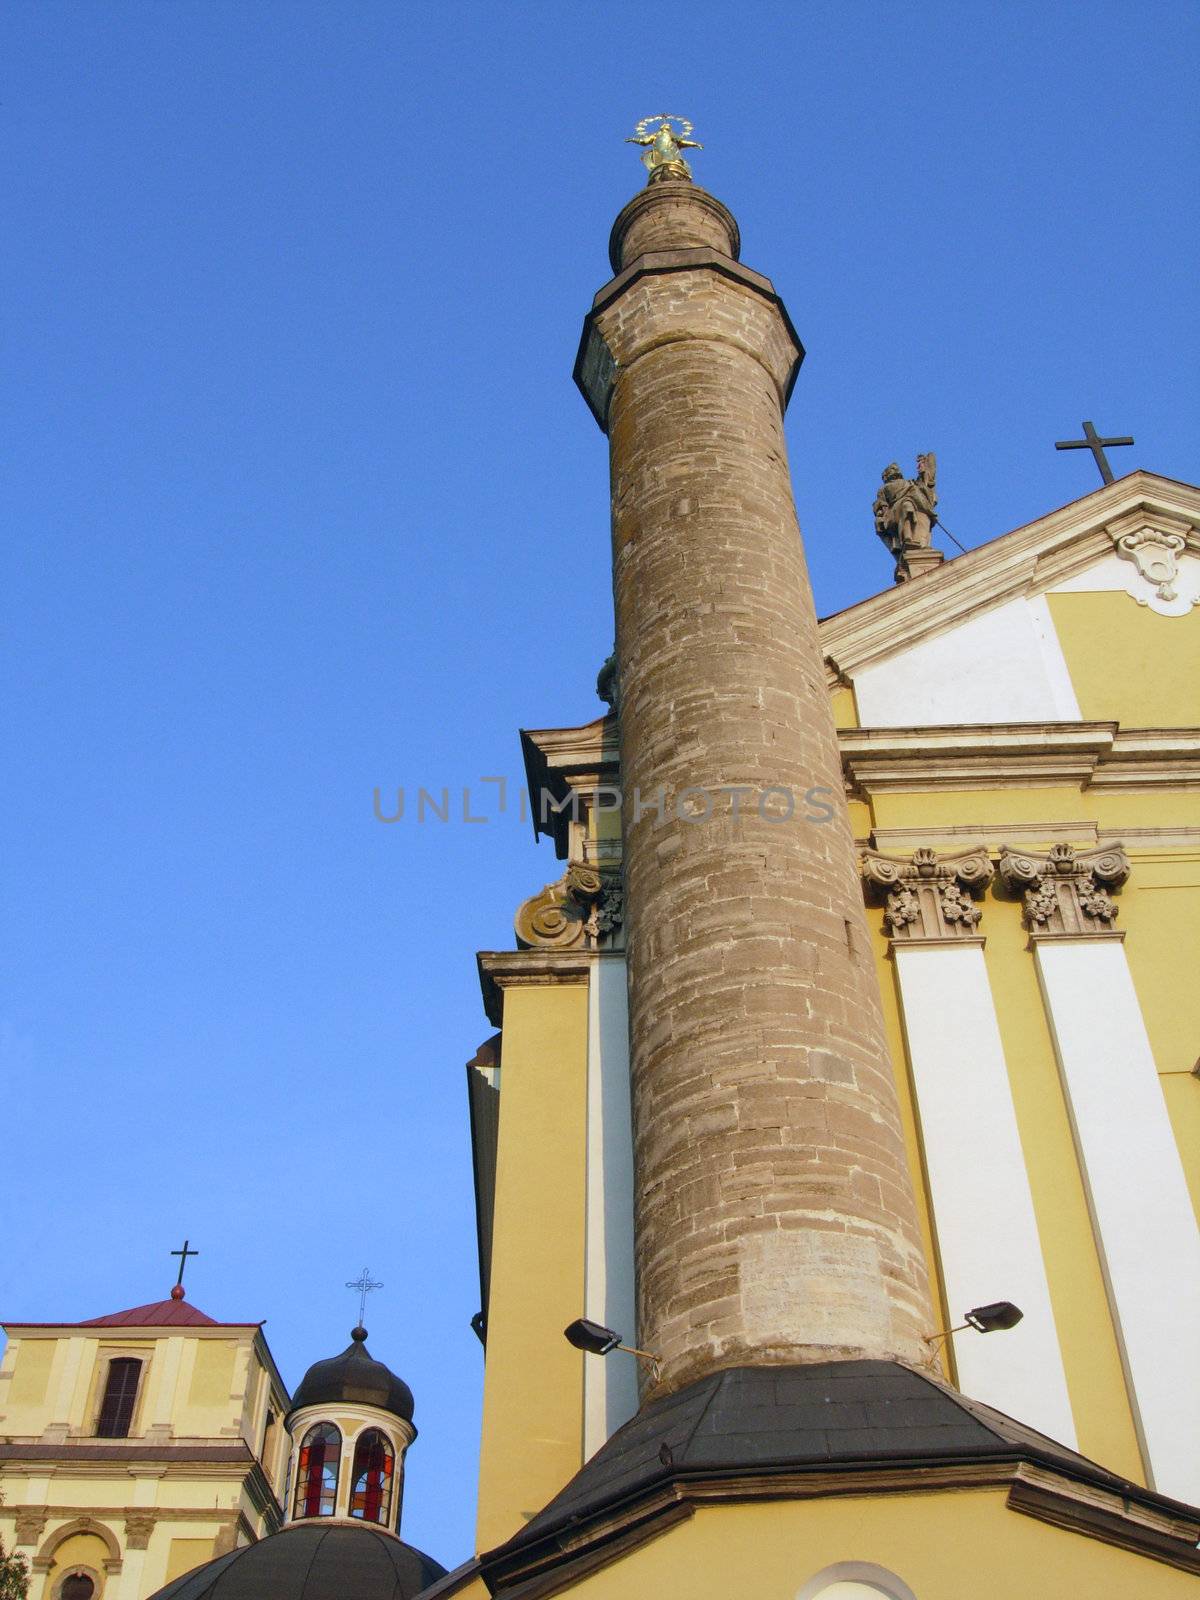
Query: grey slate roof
{"x": 830, "y": 1414}
{"x": 311, "y": 1561}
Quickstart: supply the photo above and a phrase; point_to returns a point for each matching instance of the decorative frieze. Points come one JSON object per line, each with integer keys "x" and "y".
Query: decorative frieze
{"x": 1067, "y": 891}
{"x": 928, "y": 896}
{"x": 584, "y": 908}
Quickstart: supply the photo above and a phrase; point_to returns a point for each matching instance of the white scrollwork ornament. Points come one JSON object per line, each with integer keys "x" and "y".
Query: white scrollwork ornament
{"x": 1156, "y": 556}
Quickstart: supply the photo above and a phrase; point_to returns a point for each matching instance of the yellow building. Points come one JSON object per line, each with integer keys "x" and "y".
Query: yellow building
{"x": 1019, "y": 735}
{"x": 134, "y": 1445}
{"x": 155, "y": 1451}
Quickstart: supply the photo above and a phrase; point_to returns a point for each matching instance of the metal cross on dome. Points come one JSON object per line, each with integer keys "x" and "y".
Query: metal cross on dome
{"x": 364, "y": 1285}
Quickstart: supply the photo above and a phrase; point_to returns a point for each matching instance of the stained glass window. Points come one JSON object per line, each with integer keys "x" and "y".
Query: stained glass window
{"x": 371, "y": 1483}
{"x": 120, "y": 1392}
{"x": 317, "y": 1471}
{"x": 78, "y": 1586}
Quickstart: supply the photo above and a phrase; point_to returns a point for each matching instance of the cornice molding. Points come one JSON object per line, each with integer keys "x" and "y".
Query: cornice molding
{"x": 1162, "y": 1531}
{"x": 995, "y": 755}
{"x": 562, "y": 761}
{"x": 509, "y": 969}
{"x": 1029, "y": 559}
{"x": 1157, "y": 843}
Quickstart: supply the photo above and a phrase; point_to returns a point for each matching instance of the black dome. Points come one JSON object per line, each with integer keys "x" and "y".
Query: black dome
{"x": 355, "y": 1376}
{"x": 310, "y": 1562}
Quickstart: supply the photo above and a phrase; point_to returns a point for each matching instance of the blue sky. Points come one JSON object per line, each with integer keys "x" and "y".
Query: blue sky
{"x": 302, "y": 501}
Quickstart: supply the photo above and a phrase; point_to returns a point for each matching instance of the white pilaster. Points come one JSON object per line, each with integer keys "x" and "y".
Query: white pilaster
{"x": 1145, "y": 1228}
{"x": 982, "y": 1203}
{"x": 610, "y": 1395}
{"x": 170, "y": 1351}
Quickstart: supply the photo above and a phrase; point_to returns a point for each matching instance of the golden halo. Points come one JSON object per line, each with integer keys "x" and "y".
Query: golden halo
{"x": 684, "y": 126}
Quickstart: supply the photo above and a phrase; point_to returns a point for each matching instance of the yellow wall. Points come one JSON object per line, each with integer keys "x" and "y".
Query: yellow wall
{"x": 904, "y": 1088}
{"x": 212, "y": 1374}
{"x": 1087, "y": 1337}
{"x": 1160, "y": 914}
{"x": 533, "y": 1380}
{"x": 964, "y": 1545}
{"x": 845, "y": 708}
{"x": 1127, "y": 663}
{"x": 184, "y": 1554}
{"x": 31, "y": 1374}
{"x": 1160, "y": 911}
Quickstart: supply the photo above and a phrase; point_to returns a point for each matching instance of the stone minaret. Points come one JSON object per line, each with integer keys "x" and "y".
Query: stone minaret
{"x": 775, "y": 1219}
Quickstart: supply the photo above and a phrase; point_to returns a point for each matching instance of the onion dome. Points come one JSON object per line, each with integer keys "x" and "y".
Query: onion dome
{"x": 355, "y": 1376}
{"x": 312, "y": 1561}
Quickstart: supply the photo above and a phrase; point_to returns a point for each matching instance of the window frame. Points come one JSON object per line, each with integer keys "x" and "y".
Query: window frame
{"x": 384, "y": 1490}
{"x": 119, "y": 1358}
{"x": 301, "y": 1493}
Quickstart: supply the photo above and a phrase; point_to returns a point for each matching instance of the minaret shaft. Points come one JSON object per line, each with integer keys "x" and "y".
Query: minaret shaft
{"x": 775, "y": 1218}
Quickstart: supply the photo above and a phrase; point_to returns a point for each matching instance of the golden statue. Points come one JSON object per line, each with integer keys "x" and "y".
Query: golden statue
{"x": 664, "y": 155}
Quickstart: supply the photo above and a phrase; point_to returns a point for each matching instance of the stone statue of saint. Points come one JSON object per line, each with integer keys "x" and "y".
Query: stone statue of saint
{"x": 905, "y": 512}
{"x": 664, "y": 155}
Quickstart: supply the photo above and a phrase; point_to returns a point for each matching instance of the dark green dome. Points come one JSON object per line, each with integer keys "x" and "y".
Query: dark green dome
{"x": 357, "y": 1377}
{"x": 312, "y": 1561}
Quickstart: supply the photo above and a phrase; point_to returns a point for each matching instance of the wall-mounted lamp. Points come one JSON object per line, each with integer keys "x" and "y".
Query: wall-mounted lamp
{"x": 597, "y": 1340}
{"x": 991, "y": 1318}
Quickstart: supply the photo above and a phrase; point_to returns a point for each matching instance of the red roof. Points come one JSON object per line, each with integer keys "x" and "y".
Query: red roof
{"x": 160, "y": 1313}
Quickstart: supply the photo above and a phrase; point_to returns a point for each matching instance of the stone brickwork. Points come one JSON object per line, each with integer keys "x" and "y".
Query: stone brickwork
{"x": 775, "y": 1214}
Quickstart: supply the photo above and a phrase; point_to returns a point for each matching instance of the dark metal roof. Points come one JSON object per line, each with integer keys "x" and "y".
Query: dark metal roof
{"x": 355, "y": 1376}
{"x": 312, "y": 1562}
{"x": 829, "y": 1415}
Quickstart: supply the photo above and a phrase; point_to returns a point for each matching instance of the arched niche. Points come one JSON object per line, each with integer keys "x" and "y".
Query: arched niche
{"x": 855, "y": 1580}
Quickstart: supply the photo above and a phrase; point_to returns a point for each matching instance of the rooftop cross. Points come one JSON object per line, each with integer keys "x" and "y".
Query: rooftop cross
{"x": 177, "y": 1292}
{"x": 364, "y": 1285}
{"x": 1092, "y": 441}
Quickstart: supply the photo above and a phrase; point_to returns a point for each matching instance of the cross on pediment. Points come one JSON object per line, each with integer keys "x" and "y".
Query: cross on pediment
{"x": 1092, "y": 441}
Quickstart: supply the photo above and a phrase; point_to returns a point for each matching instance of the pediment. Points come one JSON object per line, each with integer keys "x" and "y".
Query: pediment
{"x": 1125, "y": 535}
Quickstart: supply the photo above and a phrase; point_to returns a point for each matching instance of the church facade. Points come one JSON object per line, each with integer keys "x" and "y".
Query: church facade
{"x": 1017, "y": 762}
{"x": 841, "y": 1098}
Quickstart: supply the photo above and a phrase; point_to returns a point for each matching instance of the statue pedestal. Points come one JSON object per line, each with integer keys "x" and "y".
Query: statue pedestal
{"x": 913, "y": 560}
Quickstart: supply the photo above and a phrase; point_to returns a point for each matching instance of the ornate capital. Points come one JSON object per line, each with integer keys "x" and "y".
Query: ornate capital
{"x": 928, "y": 896}
{"x": 1066, "y": 891}
{"x": 139, "y": 1525}
{"x": 584, "y": 908}
{"x": 31, "y": 1524}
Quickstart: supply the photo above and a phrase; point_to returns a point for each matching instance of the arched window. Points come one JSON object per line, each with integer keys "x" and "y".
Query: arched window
{"x": 371, "y": 1483}
{"x": 317, "y": 1471}
{"x": 76, "y": 1586}
{"x": 120, "y": 1393}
